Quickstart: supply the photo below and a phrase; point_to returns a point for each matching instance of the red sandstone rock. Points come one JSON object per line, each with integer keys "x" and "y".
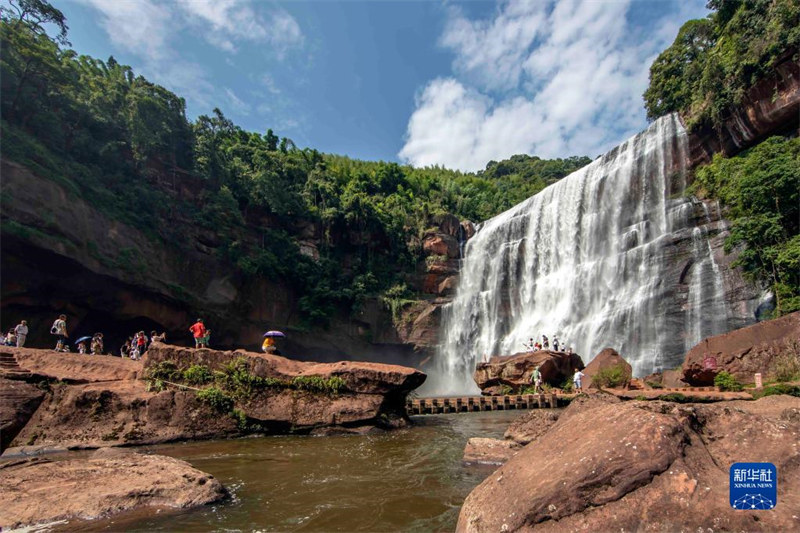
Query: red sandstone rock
{"x": 624, "y": 466}
{"x": 515, "y": 371}
{"x": 441, "y": 244}
{"x": 530, "y": 426}
{"x": 40, "y": 491}
{"x": 73, "y": 367}
{"x": 744, "y": 352}
{"x": 489, "y": 451}
{"x": 607, "y": 358}
{"x": 18, "y": 402}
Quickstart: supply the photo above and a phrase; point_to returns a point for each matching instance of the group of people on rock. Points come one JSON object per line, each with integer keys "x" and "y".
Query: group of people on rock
{"x": 535, "y": 345}
{"x": 134, "y": 347}
{"x": 138, "y": 343}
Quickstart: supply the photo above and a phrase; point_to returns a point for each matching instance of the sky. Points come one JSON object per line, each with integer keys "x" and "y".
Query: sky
{"x": 456, "y": 84}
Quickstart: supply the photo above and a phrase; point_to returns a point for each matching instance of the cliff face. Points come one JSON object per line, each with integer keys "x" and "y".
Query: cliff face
{"x": 61, "y": 254}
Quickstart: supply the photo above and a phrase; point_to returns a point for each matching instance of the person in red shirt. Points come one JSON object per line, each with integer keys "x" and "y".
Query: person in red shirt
{"x": 199, "y": 332}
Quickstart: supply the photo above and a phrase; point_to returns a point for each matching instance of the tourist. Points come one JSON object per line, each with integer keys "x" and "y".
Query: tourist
{"x": 198, "y": 329}
{"x": 10, "y": 338}
{"x": 555, "y": 343}
{"x": 141, "y": 342}
{"x": 154, "y": 337}
{"x": 125, "y": 350}
{"x": 134, "y": 352}
{"x": 22, "y": 333}
{"x": 59, "y": 329}
{"x": 97, "y": 344}
{"x": 536, "y": 379}
{"x": 268, "y": 346}
{"x": 530, "y": 346}
{"x": 82, "y": 347}
{"x": 576, "y": 380}
{"x": 545, "y": 342}
{"x": 206, "y": 338}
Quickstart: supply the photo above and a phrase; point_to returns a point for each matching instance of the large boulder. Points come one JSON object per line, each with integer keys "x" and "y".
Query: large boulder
{"x": 370, "y": 394}
{"x": 610, "y": 465}
{"x": 514, "y": 371}
{"x": 744, "y": 352}
{"x": 109, "y": 482}
{"x": 119, "y": 413}
{"x": 607, "y": 361}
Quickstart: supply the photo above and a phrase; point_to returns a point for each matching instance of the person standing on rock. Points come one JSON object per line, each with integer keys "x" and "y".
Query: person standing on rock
{"x": 536, "y": 379}
{"x": 59, "y": 329}
{"x": 555, "y": 343}
{"x": 545, "y": 342}
{"x": 22, "y": 333}
{"x": 576, "y": 380}
{"x": 198, "y": 329}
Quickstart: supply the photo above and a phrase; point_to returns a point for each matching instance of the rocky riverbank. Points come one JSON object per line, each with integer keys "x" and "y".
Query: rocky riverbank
{"x": 86, "y": 401}
{"x": 605, "y": 464}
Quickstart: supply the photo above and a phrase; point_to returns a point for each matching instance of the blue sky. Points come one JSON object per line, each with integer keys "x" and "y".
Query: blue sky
{"x": 456, "y": 84}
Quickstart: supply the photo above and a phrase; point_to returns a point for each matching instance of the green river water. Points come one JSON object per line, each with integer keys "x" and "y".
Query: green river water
{"x": 405, "y": 480}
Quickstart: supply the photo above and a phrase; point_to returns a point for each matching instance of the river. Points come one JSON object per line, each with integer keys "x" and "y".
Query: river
{"x": 405, "y": 480}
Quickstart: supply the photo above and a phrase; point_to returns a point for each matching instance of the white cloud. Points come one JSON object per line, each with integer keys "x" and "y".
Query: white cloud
{"x": 224, "y": 22}
{"x": 545, "y": 78}
{"x": 143, "y": 26}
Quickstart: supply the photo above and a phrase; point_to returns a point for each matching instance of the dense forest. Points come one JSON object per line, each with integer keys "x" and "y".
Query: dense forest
{"x": 111, "y": 136}
{"x": 705, "y": 72}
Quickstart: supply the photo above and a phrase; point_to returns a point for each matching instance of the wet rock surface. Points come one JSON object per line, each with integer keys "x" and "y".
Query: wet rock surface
{"x": 611, "y": 465}
{"x": 37, "y": 491}
{"x": 484, "y": 451}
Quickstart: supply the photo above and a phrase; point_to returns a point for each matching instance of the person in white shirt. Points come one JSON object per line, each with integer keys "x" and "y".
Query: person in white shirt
{"x": 22, "y": 333}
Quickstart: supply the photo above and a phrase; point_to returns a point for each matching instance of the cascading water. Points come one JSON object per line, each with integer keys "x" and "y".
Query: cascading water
{"x": 585, "y": 260}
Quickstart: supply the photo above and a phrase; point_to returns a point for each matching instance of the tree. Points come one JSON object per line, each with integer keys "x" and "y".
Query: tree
{"x": 35, "y": 13}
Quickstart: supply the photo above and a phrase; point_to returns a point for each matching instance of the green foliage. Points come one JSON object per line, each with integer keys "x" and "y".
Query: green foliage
{"x": 505, "y": 390}
{"x": 676, "y": 397}
{"x": 568, "y": 386}
{"x": 216, "y": 399}
{"x": 165, "y": 371}
{"x": 197, "y": 375}
{"x": 123, "y": 144}
{"x": 714, "y": 61}
{"x": 780, "y": 388}
{"x": 241, "y": 419}
{"x": 726, "y": 382}
{"x": 654, "y": 385}
{"x": 760, "y": 189}
{"x": 332, "y": 385}
{"x": 612, "y": 376}
{"x": 786, "y": 366}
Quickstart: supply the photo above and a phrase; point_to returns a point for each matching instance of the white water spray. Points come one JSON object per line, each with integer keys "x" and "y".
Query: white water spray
{"x": 585, "y": 260}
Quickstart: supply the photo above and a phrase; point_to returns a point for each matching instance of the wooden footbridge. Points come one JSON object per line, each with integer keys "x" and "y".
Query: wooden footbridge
{"x": 469, "y": 404}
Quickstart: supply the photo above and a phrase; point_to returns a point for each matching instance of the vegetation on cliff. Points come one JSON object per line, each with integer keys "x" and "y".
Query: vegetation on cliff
{"x": 122, "y": 142}
{"x": 704, "y": 74}
{"x": 760, "y": 189}
{"x": 713, "y": 61}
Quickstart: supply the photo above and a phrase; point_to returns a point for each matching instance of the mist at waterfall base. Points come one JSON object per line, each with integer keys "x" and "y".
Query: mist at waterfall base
{"x": 585, "y": 260}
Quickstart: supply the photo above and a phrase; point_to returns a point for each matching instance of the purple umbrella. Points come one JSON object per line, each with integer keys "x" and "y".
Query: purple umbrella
{"x": 274, "y": 334}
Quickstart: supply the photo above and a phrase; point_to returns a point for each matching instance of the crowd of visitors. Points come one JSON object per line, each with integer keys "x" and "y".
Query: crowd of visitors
{"x": 535, "y": 345}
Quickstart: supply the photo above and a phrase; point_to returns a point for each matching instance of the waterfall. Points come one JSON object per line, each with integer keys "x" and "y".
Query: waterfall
{"x": 586, "y": 259}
